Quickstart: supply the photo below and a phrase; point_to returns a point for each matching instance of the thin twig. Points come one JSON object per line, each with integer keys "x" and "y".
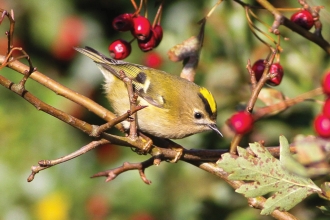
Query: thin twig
{"x": 254, "y": 96}
{"x": 44, "y": 164}
{"x": 113, "y": 173}
{"x": 282, "y": 20}
{"x": 158, "y": 14}
{"x": 262, "y": 112}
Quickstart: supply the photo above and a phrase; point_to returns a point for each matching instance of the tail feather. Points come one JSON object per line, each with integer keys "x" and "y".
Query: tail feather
{"x": 96, "y": 56}
{"x": 112, "y": 65}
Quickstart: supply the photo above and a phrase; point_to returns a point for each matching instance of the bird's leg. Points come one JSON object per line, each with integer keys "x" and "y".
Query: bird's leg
{"x": 133, "y": 119}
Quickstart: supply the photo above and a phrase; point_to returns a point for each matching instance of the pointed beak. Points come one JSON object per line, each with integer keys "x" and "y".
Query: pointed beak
{"x": 215, "y": 128}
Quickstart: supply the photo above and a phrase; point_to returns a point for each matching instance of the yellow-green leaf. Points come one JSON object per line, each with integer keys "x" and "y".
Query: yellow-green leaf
{"x": 265, "y": 174}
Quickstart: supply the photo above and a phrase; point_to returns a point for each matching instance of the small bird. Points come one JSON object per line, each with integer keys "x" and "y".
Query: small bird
{"x": 176, "y": 108}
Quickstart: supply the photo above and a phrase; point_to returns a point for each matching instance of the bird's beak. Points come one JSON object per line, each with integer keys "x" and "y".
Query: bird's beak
{"x": 215, "y": 128}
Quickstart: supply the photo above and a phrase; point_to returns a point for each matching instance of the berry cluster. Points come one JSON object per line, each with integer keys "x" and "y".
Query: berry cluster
{"x": 241, "y": 122}
{"x": 276, "y": 72}
{"x": 303, "y": 18}
{"x": 322, "y": 121}
{"x": 148, "y": 36}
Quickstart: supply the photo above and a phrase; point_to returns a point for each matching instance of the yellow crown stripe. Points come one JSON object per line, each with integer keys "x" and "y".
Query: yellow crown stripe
{"x": 209, "y": 97}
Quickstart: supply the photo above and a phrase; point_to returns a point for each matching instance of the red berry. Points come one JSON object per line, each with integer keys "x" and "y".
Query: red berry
{"x": 123, "y": 22}
{"x": 158, "y": 32}
{"x": 241, "y": 122}
{"x": 326, "y": 108}
{"x": 277, "y": 72}
{"x": 141, "y": 28}
{"x": 149, "y": 44}
{"x": 326, "y": 83}
{"x": 258, "y": 69}
{"x": 120, "y": 49}
{"x": 322, "y": 126}
{"x": 303, "y": 18}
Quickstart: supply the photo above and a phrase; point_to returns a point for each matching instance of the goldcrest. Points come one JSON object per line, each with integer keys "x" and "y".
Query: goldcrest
{"x": 176, "y": 107}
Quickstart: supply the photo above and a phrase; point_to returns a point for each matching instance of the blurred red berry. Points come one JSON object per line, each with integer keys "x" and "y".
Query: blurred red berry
{"x": 277, "y": 72}
{"x": 326, "y": 83}
{"x": 97, "y": 207}
{"x": 241, "y": 122}
{"x": 326, "y": 108}
{"x": 70, "y": 34}
{"x": 123, "y": 22}
{"x": 141, "y": 28}
{"x": 153, "y": 60}
{"x": 158, "y": 32}
{"x": 258, "y": 69}
{"x": 4, "y": 45}
{"x": 303, "y": 18}
{"x": 120, "y": 49}
{"x": 107, "y": 153}
{"x": 322, "y": 126}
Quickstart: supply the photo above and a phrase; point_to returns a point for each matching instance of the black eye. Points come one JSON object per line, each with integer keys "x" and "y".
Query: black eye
{"x": 198, "y": 115}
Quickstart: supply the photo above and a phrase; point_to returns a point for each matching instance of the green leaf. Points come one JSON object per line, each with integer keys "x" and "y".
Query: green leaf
{"x": 324, "y": 209}
{"x": 264, "y": 174}
{"x": 288, "y": 162}
{"x": 325, "y": 187}
{"x": 311, "y": 156}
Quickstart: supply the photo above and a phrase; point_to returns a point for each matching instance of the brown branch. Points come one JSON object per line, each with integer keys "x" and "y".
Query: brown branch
{"x": 254, "y": 96}
{"x": 91, "y": 130}
{"x": 44, "y": 164}
{"x": 163, "y": 151}
{"x": 281, "y": 106}
{"x": 112, "y": 123}
{"x": 113, "y": 173}
{"x": 63, "y": 91}
{"x": 38, "y": 104}
{"x": 315, "y": 37}
{"x": 10, "y": 33}
{"x": 282, "y": 20}
{"x": 315, "y": 13}
{"x": 320, "y": 41}
{"x": 166, "y": 153}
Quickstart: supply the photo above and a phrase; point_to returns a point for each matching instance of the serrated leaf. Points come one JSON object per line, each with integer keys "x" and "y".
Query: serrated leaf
{"x": 265, "y": 174}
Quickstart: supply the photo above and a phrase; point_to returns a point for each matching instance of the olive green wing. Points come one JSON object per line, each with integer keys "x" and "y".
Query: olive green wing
{"x": 137, "y": 73}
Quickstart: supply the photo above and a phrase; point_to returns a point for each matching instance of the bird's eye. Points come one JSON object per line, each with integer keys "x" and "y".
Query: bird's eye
{"x": 198, "y": 115}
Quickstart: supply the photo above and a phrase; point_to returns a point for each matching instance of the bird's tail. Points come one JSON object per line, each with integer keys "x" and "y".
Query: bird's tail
{"x": 112, "y": 65}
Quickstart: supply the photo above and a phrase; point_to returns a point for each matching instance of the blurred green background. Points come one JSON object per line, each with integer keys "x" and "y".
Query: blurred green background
{"x": 47, "y": 30}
